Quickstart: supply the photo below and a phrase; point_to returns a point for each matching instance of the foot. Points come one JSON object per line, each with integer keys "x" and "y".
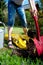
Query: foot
{"x": 10, "y": 45}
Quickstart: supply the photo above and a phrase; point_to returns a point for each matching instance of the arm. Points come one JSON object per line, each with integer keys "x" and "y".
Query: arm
{"x": 33, "y": 7}
{"x": 35, "y": 16}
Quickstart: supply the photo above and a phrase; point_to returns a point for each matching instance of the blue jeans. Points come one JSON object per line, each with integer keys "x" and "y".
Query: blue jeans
{"x": 12, "y": 9}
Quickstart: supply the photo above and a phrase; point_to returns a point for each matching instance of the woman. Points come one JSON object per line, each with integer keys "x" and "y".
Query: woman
{"x": 16, "y": 6}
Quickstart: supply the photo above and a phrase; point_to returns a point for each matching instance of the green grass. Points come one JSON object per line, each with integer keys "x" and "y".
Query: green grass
{"x": 17, "y": 30}
{"x": 7, "y": 59}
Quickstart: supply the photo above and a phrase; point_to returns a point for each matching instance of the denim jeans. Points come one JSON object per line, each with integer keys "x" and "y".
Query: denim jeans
{"x": 12, "y": 9}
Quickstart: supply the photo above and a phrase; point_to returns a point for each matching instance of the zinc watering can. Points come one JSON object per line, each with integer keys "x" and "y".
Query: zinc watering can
{"x": 2, "y": 32}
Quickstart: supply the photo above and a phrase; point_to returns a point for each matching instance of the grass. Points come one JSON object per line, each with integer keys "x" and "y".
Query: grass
{"x": 7, "y": 59}
{"x": 17, "y": 30}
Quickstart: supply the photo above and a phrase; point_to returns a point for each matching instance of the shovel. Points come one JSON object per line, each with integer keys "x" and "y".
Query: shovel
{"x": 39, "y": 40}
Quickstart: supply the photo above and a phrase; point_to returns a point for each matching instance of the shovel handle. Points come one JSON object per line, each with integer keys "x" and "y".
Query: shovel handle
{"x": 37, "y": 27}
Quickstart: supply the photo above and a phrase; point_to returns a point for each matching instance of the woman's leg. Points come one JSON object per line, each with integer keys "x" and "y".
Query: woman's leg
{"x": 11, "y": 17}
{"x": 21, "y": 13}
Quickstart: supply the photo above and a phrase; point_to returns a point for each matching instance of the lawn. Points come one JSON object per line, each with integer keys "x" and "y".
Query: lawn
{"x": 15, "y": 30}
{"x": 7, "y": 59}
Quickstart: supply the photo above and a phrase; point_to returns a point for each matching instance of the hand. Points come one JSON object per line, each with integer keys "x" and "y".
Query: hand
{"x": 34, "y": 13}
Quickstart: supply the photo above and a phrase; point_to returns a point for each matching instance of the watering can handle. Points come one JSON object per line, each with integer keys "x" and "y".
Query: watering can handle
{"x": 2, "y": 24}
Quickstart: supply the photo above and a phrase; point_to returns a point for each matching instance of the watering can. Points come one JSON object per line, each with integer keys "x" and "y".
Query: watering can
{"x": 2, "y": 32}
